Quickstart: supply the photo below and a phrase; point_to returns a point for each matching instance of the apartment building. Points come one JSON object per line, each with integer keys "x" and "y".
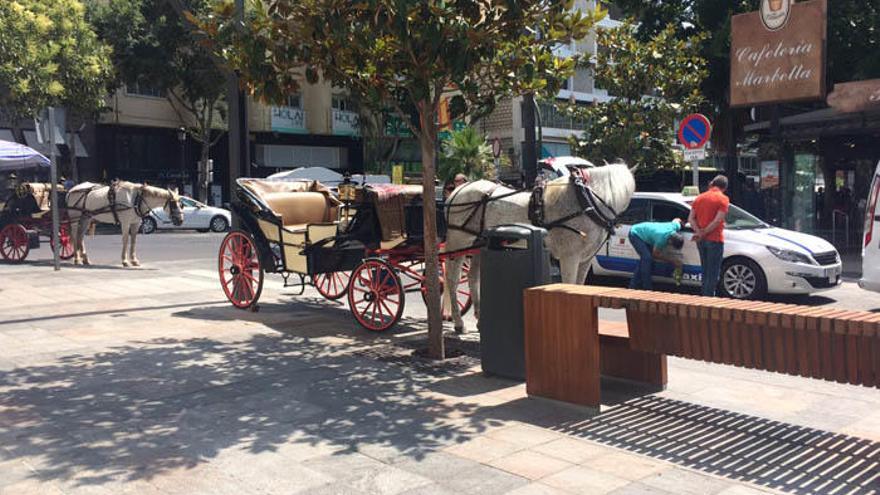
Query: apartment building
{"x": 505, "y": 123}
{"x": 140, "y": 137}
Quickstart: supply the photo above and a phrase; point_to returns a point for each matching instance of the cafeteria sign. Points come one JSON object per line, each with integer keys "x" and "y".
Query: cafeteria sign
{"x": 777, "y": 53}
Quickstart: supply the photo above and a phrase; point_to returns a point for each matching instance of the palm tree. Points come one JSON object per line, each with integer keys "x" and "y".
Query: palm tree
{"x": 468, "y": 153}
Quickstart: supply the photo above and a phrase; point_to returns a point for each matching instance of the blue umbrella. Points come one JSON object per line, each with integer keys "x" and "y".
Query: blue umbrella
{"x": 14, "y": 156}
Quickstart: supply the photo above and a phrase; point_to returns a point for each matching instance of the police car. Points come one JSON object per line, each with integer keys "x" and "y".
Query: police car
{"x": 758, "y": 259}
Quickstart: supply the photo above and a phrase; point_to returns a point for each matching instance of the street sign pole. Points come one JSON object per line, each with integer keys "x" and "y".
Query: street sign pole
{"x": 696, "y": 173}
{"x": 53, "y": 174}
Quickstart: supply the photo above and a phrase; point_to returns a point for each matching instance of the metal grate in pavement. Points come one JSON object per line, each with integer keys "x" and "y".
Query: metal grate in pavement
{"x": 778, "y": 455}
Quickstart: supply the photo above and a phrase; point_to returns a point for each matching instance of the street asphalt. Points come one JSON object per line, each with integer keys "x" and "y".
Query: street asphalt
{"x": 200, "y": 249}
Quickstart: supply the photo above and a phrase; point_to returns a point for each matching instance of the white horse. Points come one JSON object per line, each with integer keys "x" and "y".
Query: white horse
{"x": 574, "y": 242}
{"x": 126, "y": 204}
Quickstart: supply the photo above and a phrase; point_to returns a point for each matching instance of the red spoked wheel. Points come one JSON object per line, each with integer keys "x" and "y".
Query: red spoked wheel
{"x": 241, "y": 275}
{"x": 14, "y": 243}
{"x": 462, "y": 293}
{"x": 66, "y": 242}
{"x": 375, "y": 295}
{"x": 331, "y": 285}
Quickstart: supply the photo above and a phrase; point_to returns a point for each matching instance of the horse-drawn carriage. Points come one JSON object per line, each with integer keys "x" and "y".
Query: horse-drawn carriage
{"x": 366, "y": 244}
{"x": 25, "y": 219}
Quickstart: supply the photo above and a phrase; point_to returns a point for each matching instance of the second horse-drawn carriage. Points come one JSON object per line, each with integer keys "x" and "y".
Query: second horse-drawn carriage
{"x": 365, "y": 243}
{"x": 26, "y": 220}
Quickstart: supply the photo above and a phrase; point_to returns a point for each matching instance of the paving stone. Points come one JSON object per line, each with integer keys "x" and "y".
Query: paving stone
{"x": 484, "y": 480}
{"x": 524, "y": 436}
{"x": 483, "y": 449}
{"x": 530, "y": 465}
{"x": 580, "y": 479}
{"x": 627, "y": 466}
{"x": 438, "y": 466}
{"x": 432, "y": 489}
{"x": 573, "y": 450}
{"x": 744, "y": 490}
{"x": 640, "y": 489}
{"x": 683, "y": 482}
{"x": 537, "y": 489}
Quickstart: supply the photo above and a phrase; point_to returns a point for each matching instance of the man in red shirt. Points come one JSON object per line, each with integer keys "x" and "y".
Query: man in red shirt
{"x": 707, "y": 220}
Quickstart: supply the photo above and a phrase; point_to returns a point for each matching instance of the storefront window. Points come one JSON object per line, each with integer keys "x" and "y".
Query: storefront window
{"x": 803, "y": 193}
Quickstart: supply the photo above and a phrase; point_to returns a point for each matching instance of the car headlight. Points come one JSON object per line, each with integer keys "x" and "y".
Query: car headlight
{"x": 790, "y": 256}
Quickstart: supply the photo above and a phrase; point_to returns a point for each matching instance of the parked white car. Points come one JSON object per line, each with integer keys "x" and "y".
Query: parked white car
{"x": 871, "y": 247}
{"x": 196, "y": 216}
{"x": 758, "y": 259}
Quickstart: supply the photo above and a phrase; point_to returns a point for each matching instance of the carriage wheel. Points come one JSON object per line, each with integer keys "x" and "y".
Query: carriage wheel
{"x": 462, "y": 295}
{"x": 66, "y": 242}
{"x": 375, "y": 295}
{"x": 331, "y": 285}
{"x": 14, "y": 243}
{"x": 241, "y": 275}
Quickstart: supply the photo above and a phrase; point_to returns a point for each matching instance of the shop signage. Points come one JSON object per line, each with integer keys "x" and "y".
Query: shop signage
{"x": 769, "y": 174}
{"x": 345, "y": 123}
{"x": 856, "y": 96}
{"x": 288, "y": 119}
{"x": 397, "y": 173}
{"x": 777, "y": 54}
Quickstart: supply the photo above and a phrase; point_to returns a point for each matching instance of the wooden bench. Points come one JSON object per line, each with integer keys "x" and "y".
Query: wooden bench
{"x": 566, "y": 353}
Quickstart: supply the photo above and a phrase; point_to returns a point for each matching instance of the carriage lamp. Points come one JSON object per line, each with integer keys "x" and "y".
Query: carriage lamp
{"x": 181, "y": 134}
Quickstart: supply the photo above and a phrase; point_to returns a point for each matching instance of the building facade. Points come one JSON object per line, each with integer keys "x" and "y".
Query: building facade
{"x": 554, "y": 128}
{"x": 141, "y": 138}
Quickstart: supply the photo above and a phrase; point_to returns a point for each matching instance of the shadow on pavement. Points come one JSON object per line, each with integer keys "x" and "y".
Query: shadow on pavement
{"x": 135, "y": 412}
{"x": 781, "y": 456}
{"x": 107, "y": 312}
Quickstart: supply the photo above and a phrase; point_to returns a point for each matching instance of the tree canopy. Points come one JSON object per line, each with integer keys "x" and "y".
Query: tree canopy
{"x": 50, "y": 56}
{"x": 405, "y": 54}
{"x": 153, "y": 44}
{"x": 653, "y": 82}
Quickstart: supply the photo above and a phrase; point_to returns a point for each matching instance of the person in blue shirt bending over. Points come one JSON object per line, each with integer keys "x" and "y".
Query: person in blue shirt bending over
{"x": 650, "y": 239}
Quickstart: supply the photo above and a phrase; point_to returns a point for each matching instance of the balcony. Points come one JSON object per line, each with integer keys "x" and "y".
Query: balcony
{"x": 552, "y": 118}
{"x": 344, "y": 123}
{"x": 291, "y": 120}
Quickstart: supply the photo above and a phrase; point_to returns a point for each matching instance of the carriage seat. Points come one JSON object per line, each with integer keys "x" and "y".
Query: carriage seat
{"x": 297, "y": 210}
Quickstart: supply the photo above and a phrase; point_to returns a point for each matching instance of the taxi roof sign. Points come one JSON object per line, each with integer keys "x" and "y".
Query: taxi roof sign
{"x": 690, "y": 191}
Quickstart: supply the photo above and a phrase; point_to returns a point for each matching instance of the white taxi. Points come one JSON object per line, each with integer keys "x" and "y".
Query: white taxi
{"x": 758, "y": 259}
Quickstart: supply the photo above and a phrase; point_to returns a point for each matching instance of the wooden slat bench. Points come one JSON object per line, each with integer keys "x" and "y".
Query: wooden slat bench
{"x": 566, "y": 352}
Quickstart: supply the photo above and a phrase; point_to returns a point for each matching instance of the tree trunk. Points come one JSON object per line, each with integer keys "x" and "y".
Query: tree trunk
{"x": 428, "y": 140}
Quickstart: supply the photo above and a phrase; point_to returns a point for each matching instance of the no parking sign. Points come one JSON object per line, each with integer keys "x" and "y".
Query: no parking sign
{"x": 693, "y": 133}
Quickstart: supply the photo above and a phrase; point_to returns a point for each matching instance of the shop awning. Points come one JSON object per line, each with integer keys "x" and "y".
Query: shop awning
{"x": 829, "y": 119}
{"x": 15, "y": 156}
{"x": 30, "y": 138}
{"x": 81, "y": 151}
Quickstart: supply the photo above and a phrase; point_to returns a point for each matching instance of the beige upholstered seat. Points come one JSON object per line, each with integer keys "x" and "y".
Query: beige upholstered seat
{"x": 298, "y": 209}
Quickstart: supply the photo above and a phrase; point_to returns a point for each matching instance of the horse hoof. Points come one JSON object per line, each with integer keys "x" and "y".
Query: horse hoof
{"x": 125, "y": 264}
{"x": 459, "y": 329}
{"x": 135, "y": 263}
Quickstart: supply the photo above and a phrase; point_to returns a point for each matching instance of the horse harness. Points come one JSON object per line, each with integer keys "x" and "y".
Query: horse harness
{"x": 114, "y": 206}
{"x": 591, "y": 205}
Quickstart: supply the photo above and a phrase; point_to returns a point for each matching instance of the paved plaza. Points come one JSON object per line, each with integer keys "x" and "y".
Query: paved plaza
{"x": 145, "y": 381}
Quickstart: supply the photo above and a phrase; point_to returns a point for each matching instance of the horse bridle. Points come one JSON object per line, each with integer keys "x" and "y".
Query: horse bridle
{"x": 139, "y": 203}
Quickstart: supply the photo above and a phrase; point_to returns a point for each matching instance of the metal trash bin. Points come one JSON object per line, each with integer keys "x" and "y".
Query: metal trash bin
{"x": 513, "y": 260}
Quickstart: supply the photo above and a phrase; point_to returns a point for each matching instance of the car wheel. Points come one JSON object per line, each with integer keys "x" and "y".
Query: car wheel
{"x": 148, "y": 225}
{"x": 219, "y": 224}
{"x": 742, "y": 279}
